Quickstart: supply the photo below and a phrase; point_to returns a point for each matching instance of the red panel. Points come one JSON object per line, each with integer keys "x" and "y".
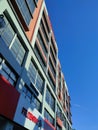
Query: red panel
{"x": 48, "y": 125}
{"x": 8, "y": 98}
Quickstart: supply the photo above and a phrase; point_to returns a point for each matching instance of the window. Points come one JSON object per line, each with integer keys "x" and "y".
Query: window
{"x": 52, "y": 55}
{"x": 67, "y": 126}
{"x": 37, "y": 52}
{"x": 51, "y": 81}
{"x": 32, "y": 72}
{"x": 52, "y": 68}
{"x": 36, "y": 1}
{"x": 18, "y": 51}
{"x": 48, "y": 117}
{"x": 52, "y": 43}
{"x": 7, "y": 72}
{"x": 58, "y": 128}
{"x": 29, "y": 95}
{"x": 39, "y": 83}
{"x": 50, "y": 99}
{"x": 64, "y": 122}
{"x": 7, "y": 33}
{"x": 44, "y": 32}
{"x": 9, "y": 37}
{"x": 35, "y": 77}
{"x": 46, "y": 24}
{"x": 42, "y": 43}
{"x": 24, "y": 10}
{"x": 31, "y": 5}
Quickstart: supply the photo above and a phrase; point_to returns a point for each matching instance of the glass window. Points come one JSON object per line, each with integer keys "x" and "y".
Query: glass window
{"x": 8, "y": 36}
{"x": 31, "y": 97}
{"x": 36, "y": 77}
{"x": 7, "y": 33}
{"x": 50, "y": 99}
{"x": 18, "y": 51}
{"x": 37, "y": 104}
{"x": 42, "y": 43}
{"x": 31, "y": 5}
{"x": 44, "y": 32}
{"x": 38, "y": 54}
{"x": 36, "y": 1}
{"x": 48, "y": 117}
{"x": 24, "y": 10}
{"x": 51, "y": 81}
{"x": 32, "y": 72}
{"x": 58, "y": 127}
{"x": 39, "y": 83}
{"x": 64, "y": 122}
{"x": 52, "y": 68}
{"x": 7, "y": 72}
{"x": 46, "y": 24}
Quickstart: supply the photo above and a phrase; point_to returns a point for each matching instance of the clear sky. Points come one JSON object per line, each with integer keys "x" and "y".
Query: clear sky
{"x": 75, "y": 25}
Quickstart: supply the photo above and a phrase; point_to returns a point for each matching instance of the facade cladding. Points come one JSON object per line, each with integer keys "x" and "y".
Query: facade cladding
{"x": 33, "y": 91}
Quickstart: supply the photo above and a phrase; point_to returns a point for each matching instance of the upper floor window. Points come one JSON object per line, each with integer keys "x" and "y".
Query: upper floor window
{"x": 38, "y": 54}
{"x": 24, "y": 10}
{"x": 44, "y": 32}
{"x": 30, "y": 96}
{"x": 50, "y": 99}
{"x": 46, "y": 23}
{"x": 9, "y": 37}
{"x": 7, "y": 72}
{"x": 35, "y": 77}
{"x": 32, "y": 72}
{"x": 31, "y": 5}
{"x": 42, "y": 43}
{"x": 36, "y": 1}
{"x": 48, "y": 117}
{"x": 58, "y": 127}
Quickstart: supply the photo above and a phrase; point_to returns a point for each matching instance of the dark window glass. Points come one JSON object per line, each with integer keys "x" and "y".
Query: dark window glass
{"x": 50, "y": 99}
{"x": 29, "y": 95}
{"x": 44, "y": 32}
{"x": 38, "y": 54}
{"x": 31, "y": 5}
{"x": 32, "y": 72}
{"x": 48, "y": 117}
{"x": 18, "y": 51}
{"x": 24, "y": 10}
{"x": 7, "y": 72}
{"x": 39, "y": 83}
{"x": 35, "y": 77}
{"x": 8, "y": 36}
{"x": 42, "y": 43}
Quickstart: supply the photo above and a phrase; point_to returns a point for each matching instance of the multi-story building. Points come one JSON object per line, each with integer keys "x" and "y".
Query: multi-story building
{"x": 33, "y": 91}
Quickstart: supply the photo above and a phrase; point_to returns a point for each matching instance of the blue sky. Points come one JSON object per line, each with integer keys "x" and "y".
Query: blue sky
{"x": 75, "y": 25}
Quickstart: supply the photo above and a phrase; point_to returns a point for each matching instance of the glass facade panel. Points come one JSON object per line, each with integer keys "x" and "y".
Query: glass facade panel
{"x": 44, "y": 32}
{"x": 32, "y": 72}
{"x": 24, "y": 10}
{"x": 39, "y": 83}
{"x": 31, "y": 5}
{"x": 42, "y": 43}
{"x": 37, "y": 52}
{"x": 7, "y": 72}
{"x": 48, "y": 117}
{"x": 31, "y": 98}
{"x": 18, "y": 51}
{"x": 7, "y": 33}
{"x": 52, "y": 68}
{"x": 50, "y": 99}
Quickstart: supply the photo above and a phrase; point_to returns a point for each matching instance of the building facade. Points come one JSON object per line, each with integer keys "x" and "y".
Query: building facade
{"x": 33, "y": 91}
